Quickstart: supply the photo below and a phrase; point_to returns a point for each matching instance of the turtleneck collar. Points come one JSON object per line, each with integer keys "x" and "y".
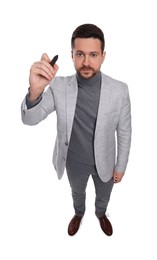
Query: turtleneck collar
{"x": 89, "y": 82}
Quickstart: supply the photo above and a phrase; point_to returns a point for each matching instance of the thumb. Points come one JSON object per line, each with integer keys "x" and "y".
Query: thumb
{"x": 45, "y": 57}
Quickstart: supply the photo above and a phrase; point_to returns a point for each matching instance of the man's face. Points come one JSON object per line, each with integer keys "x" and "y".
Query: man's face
{"x": 87, "y": 56}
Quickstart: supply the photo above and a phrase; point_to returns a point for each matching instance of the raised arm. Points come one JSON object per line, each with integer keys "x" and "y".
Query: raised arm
{"x": 41, "y": 73}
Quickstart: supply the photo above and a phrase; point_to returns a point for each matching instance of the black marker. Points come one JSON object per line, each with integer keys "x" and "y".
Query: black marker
{"x": 53, "y": 61}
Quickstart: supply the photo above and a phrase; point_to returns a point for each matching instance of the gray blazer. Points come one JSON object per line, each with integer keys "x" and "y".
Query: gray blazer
{"x": 113, "y": 128}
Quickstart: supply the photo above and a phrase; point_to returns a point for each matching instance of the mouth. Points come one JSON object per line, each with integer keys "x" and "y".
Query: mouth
{"x": 86, "y": 69}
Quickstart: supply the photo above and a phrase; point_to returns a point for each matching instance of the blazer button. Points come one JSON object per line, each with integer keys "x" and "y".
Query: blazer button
{"x": 66, "y": 144}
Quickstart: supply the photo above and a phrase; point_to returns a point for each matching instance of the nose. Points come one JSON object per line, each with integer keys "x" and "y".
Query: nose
{"x": 86, "y": 60}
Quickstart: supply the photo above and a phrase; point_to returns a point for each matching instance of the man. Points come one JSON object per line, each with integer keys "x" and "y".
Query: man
{"x": 91, "y": 107}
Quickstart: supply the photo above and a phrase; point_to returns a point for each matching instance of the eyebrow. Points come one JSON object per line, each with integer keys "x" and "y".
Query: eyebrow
{"x": 89, "y": 52}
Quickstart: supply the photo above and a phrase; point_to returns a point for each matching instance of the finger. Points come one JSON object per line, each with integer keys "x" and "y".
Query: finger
{"x": 46, "y": 74}
{"x": 45, "y": 66}
{"x": 46, "y": 60}
{"x": 53, "y": 69}
{"x": 45, "y": 57}
{"x": 115, "y": 177}
{"x": 56, "y": 68}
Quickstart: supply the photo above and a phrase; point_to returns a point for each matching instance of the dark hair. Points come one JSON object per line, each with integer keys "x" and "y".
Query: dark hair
{"x": 88, "y": 31}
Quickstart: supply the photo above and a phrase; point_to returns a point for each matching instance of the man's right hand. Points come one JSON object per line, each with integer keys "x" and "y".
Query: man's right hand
{"x": 41, "y": 73}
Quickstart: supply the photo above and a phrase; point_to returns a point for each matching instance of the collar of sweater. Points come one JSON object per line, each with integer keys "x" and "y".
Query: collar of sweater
{"x": 95, "y": 80}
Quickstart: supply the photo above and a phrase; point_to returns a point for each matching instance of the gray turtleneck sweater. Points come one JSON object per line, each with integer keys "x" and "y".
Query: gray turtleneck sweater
{"x": 81, "y": 146}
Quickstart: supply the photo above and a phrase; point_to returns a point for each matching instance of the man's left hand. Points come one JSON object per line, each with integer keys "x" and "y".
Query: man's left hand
{"x": 117, "y": 176}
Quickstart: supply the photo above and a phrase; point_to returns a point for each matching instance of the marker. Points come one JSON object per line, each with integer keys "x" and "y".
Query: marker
{"x": 53, "y": 61}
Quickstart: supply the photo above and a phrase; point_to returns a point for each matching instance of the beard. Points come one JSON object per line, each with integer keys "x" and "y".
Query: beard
{"x": 86, "y": 72}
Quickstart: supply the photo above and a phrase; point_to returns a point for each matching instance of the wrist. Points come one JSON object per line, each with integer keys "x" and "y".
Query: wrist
{"x": 33, "y": 96}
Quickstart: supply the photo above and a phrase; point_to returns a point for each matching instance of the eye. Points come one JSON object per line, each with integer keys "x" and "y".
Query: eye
{"x": 93, "y": 55}
{"x": 79, "y": 54}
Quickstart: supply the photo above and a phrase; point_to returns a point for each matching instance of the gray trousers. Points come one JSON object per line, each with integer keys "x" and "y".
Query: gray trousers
{"x": 78, "y": 175}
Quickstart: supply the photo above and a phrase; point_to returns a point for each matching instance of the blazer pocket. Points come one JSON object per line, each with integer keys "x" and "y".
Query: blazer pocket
{"x": 112, "y": 115}
{"x": 111, "y": 120}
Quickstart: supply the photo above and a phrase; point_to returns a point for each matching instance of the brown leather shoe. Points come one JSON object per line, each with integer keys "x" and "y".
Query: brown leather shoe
{"x": 74, "y": 225}
{"x": 105, "y": 225}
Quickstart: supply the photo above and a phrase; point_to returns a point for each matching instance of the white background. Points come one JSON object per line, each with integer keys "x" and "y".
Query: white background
{"x": 35, "y": 207}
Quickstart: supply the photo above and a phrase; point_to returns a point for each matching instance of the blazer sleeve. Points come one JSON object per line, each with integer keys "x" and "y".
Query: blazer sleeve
{"x": 39, "y": 112}
{"x": 124, "y": 131}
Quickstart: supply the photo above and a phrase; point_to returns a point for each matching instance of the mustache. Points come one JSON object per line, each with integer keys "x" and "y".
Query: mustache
{"x": 86, "y": 67}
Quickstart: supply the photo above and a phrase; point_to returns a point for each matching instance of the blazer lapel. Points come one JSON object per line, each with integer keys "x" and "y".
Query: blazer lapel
{"x": 71, "y": 99}
{"x": 103, "y": 102}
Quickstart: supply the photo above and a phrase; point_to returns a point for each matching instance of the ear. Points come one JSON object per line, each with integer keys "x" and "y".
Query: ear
{"x": 71, "y": 54}
{"x": 103, "y": 56}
